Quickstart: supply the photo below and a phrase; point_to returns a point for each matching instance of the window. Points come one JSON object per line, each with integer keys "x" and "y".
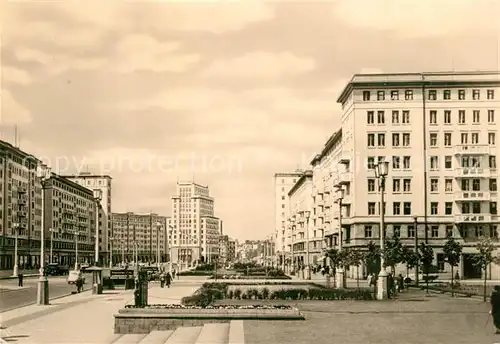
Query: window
{"x": 492, "y": 161}
{"x": 493, "y": 208}
{"x": 371, "y": 208}
{"x": 461, "y": 94}
{"x": 448, "y": 185}
{"x": 490, "y": 94}
{"x": 491, "y": 138}
{"x": 447, "y": 117}
{"x": 395, "y": 117}
{"x": 368, "y": 231}
{"x": 366, "y": 95}
{"x": 370, "y": 163}
{"x": 408, "y": 95}
{"x": 434, "y": 231}
{"x": 434, "y": 208}
{"x": 380, "y": 117}
{"x": 475, "y": 94}
{"x": 449, "y": 230}
{"x": 406, "y": 116}
{"x": 434, "y": 185}
{"x": 396, "y": 208}
{"x": 396, "y": 229}
{"x": 433, "y": 117}
{"x": 434, "y": 162}
{"x": 406, "y": 139}
{"x": 406, "y": 185}
{"x": 370, "y": 117}
{"x": 447, "y": 139}
{"x": 475, "y": 116}
{"x": 371, "y": 185}
{"x": 447, "y": 94}
{"x": 493, "y": 185}
{"x": 474, "y": 138}
{"x": 448, "y": 208}
{"x": 432, "y": 95}
{"x": 371, "y": 140}
{"x": 491, "y": 116}
{"x": 410, "y": 231}
{"x": 381, "y": 140}
{"x": 380, "y": 95}
{"x": 395, "y": 140}
{"x": 461, "y": 116}
{"x": 448, "y": 162}
{"x": 433, "y": 139}
{"x": 464, "y": 185}
{"x": 476, "y": 184}
{"x": 407, "y": 162}
{"x": 407, "y": 208}
{"x": 463, "y": 138}
{"x": 395, "y": 95}
{"x": 396, "y": 162}
{"x": 396, "y": 185}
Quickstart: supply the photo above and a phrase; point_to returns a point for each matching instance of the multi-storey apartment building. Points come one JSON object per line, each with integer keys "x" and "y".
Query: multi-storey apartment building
{"x": 103, "y": 184}
{"x": 141, "y": 235}
{"x": 194, "y": 231}
{"x": 283, "y": 182}
{"x": 439, "y": 131}
{"x": 70, "y": 221}
{"x": 227, "y": 250}
{"x": 20, "y": 207}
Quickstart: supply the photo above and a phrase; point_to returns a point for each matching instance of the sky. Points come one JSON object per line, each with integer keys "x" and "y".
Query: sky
{"x": 223, "y": 92}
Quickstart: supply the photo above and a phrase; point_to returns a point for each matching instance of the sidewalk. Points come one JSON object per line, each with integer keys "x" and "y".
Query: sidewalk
{"x": 7, "y": 274}
{"x": 82, "y": 318}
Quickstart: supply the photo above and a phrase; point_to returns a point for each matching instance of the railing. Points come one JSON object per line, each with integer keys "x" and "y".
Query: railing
{"x": 471, "y": 149}
{"x": 472, "y": 172}
{"x": 472, "y": 195}
{"x": 471, "y": 218}
{"x": 345, "y": 178}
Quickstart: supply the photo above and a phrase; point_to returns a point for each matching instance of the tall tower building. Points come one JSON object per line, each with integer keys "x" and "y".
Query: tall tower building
{"x": 195, "y": 231}
{"x": 283, "y": 182}
{"x": 102, "y": 183}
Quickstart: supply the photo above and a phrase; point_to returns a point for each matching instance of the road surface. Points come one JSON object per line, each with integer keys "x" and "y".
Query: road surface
{"x": 11, "y": 296}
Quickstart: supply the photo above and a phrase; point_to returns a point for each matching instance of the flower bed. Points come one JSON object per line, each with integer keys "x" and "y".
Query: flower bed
{"x": 250, "y": 277}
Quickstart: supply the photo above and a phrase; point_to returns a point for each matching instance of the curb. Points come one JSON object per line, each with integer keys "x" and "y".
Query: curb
{"x": 15, "y": 277}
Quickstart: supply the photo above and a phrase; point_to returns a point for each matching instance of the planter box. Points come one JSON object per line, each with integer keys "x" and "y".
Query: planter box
{"x": 144, "y": 320}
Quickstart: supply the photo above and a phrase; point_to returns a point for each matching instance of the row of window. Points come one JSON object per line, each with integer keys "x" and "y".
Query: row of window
{"x": 479, "y": 231}
{"x": 404, "y": 185}
{"x": 404, "y": 139}
{"x": 403, "y": 117}
{"x": 404, "y": 208}
{"x": 465, "y": 162}
{"x": 431, "y": 94}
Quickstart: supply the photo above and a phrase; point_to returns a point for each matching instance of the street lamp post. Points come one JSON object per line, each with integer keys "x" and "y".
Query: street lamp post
{"x": 158, "y": 226}
{"x": 308, "y": 267}
{"x": 97, "y": 198}
{"x": 170, "y": 235}
{"x": 43, "y": 172}
{"x": 110, "y": 252}
{"x": 15, "y": 227}
{"x": 415, "y": 221}
{"x": 340, "y": 270}
{"x": 381, "y": 172}
{"x": 292, "y": 250}
{"x": 122, "y": 244}
{"x": 77, "y": 233}
{"x": 51, "y": 230}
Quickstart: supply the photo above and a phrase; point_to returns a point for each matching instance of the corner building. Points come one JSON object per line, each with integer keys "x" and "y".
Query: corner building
{"x": 439, "y": 131}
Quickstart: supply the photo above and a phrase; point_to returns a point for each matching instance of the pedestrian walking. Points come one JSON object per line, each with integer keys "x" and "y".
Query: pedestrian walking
{"x": 495, "y": 307}
{"x": 20, "y": 279}
{"x": 390, "y": 286}
{"x": 401, "y": 283}
{"x": 168, "y": 279}
{"x": 162, "y": 279}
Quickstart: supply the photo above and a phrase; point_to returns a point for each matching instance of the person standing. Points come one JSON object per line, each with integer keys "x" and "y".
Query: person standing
{"x": 495, "y": 307}
{"x": 168, "y": 279}
{"x": 162, "y": 279}
{"x": 20, "y": 279}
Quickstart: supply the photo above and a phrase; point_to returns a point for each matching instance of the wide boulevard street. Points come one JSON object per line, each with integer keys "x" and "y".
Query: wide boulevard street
{"x": 12, "y": 296}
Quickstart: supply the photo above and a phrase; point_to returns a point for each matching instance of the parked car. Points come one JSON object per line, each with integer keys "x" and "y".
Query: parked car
{"x": 75, "y": 275}
{"x": 84, "y": 266}
{"x": 54, "y": 269}
{"x": 421, "y": 277}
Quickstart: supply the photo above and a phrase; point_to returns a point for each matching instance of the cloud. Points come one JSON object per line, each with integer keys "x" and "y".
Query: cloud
{"x": 11, "y": 112}
{"x": 409, "y": 18}
{"x": 257, "y": 65}
{"x": 15, "y": 75}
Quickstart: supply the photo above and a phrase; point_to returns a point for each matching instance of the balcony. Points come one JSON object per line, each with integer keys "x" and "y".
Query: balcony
{"x": 472, "y": 172}
{"x": 320, "y": 201}
{"x": 472, "y": 196}
{"x": 471, "y": 149}
{"x": 475, "y": 218}
{"x": 344, "y": 178}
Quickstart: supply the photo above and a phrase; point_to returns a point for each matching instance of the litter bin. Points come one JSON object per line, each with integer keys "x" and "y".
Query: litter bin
{"x": 96, "y": 279}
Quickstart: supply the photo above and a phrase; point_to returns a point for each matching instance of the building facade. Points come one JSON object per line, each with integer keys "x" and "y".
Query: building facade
{"x": 102, "y": 183}
{"x": 70, "y": 221}
{"x": 227, "y": 250}
{"x": 20, "y": 207}
{"x": 283, "y": 182}
{"x": 139, "y": 235}
{"x": 194, "y": 231}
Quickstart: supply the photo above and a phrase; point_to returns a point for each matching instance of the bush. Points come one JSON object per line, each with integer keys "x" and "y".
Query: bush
{"x": 237, "y": 294}
{"x": 195, "y": 273}
{"x": 265, "y": 293}
{"x": 305, "y": 294}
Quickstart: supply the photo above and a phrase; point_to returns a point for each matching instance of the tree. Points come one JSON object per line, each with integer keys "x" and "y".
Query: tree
{"x": 452, "y": 251}
{"x": 484, "y": 258}
{"x": 356, "y": 257}
{"x": 426, "y": 258}
{"x": 410, "y": 258}
{"x": 372, "y": 261}
{"x": 344, "y": 262}
{"x": 393, "y": 252}
{"x": 335, "y": 261}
